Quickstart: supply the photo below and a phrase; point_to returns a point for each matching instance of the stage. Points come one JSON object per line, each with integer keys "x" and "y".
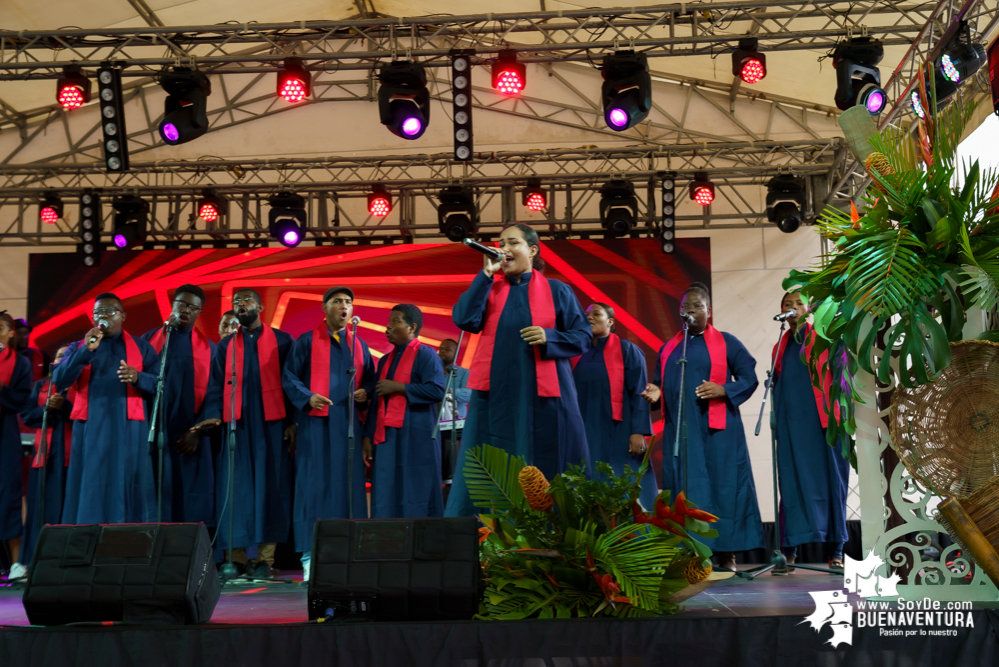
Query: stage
{"x": 733, "y": 622}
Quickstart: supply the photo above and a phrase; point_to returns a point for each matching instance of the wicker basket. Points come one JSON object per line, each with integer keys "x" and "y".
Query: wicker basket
{"x": 973, "y": 523}
{"x": 947, "y": 432}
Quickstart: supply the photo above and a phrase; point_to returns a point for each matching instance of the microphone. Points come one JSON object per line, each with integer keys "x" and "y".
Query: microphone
{"x": 102, "y": 325}
{"x": 234, "y": 323}
{"x": 171, "y": 321}
{"x": 688, "y": 318}
{"x": 355, "y": 320}
{"x": 2, "y": 347}
{"x": 786, "y": 315}
{"x": 492, "y": 253}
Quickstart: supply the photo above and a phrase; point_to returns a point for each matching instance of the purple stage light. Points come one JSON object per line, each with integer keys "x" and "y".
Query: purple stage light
{"x": 120, "y": 240}
{"x": 291, "y": 238}
{"x": 170, "y": 132}
{"x": 618, "y": 117}
{"x": 875, "y": 102}
{"x": 411, "y": 126}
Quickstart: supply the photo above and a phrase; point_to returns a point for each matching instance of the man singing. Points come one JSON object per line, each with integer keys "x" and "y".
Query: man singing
{"x": 325, "y": 366}
{"x": 110, "y": 373}
{"x": 262, "y": 499}
{"x": 188, "y": 479}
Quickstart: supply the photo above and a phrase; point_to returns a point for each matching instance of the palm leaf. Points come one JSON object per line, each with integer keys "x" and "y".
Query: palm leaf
{"x": 492, "y": 477}
{"x": 981, "y": 287}
{"x": 886, "y": 271}
{"x": 637, "y": 564}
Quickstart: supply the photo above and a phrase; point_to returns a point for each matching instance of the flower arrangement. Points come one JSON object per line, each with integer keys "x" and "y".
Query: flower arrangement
{"x": 578, "y": 547}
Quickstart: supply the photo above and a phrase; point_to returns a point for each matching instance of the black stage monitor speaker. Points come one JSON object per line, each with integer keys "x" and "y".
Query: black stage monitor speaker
{"x": 395, "y": 569}
{"x": 134, "y": 573}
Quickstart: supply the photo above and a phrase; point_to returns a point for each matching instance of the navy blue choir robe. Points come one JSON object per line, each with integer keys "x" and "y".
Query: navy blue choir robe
{"x": 406, "y": 471}
{"x": 813, "y": 477}
{"x": 110, "y": 477}
{"x": 606, "y": 438}
{"x": 459, "y": 389}
{"x": 721, "y": 477}
{"x": 321, "y": 455}
{"x": 546, "y": 430}
{"x": 188, "y": 479}
{"x": 55, "y": 467}
{"x": 263, "y": 485}
{"x": 13, "y": 398}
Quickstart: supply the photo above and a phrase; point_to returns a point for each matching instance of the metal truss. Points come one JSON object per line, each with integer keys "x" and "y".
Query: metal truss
{"x": 549, "y": 36}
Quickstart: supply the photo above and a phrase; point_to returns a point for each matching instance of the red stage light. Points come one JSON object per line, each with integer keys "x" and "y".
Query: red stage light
{"x": 509, "y": 76}
{"x": 704, "y": 195}
{"x": 753, "y": 71}
{"x": 536, "y": 202}
{"x": 293, "y": 90}
{"x": 49, "y": 215}
{"x": 379, "y": 206}
{"x": 208, "y": 212}
{"x": 509, "y": 83}
{"x": 71, "y": 97}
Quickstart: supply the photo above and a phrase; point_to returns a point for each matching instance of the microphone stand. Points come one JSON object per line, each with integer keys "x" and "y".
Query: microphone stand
{"x": 351, "y": 388}
{"x": 228, "y": 571}
{"x": 157, "y": 427}
{"x": 44, "y": 447}
{"x": 681, "y": 415}
{"x": 448, "y": 391}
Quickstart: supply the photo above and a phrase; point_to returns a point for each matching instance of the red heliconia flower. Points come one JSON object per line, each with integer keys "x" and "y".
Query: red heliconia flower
{"x": 606, "y": 582}
{"x": 680, "y": 507}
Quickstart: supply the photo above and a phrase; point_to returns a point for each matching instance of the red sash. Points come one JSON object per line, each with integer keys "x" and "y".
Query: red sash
{"x": 393, "y": 411}
{"x": 717, "y": 351}
{"x": 39, "y": 459}
{"x": 821, "y": 395}
{"x": 8, "y": 361}
{"x": 319, "y": 380}
{"x": 202, "y": 361}
{"x": 614, "y": 363}
{"x": 270, "y": 376}
{"x": 80, "y": 391}
{"x": 542, "y": 315}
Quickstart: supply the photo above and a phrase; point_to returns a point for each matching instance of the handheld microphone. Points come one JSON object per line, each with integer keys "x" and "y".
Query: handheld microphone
{"x": 2, "y": 347}
{"x": 355, "y": 320}
{"x": 786, "y": 315}
{"x": 102, "y": 325}
{"x": 688, "y": 318}
{"x": 492, "y": 253}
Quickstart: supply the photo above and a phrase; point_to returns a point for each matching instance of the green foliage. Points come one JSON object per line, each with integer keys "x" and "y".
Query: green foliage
{"x": 903, "y": 275}
{"x": 586, "y": 556}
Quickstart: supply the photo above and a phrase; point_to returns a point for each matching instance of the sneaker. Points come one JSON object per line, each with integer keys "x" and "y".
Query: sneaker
{"x": 17, "y": 571}
{"x": 306, "y": 567}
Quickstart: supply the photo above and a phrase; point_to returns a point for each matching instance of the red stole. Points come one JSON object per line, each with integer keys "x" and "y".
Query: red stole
{"x": 80, "y": 391}
{"x": 319, "y": 378}
{"x": 202, "y": 361}
{"x": 392, "y": 412}
{"x": 8, "y": 361}
{"x": 614, "y": 363}
{"x": 821, "y": 395}
{"x": 39, "y": 459}
{"x": 717, "y": 351}
{"x": 542, "y": 315}
{"x": 270, "y": 376}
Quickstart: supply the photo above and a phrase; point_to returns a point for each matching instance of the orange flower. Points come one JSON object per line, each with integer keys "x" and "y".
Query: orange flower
{"x": 484, "y": 534}
{"x": 606, "y": 582}
{"x": 680, "y": 507}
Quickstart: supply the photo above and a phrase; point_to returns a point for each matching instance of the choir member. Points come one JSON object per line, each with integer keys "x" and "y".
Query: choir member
{"x": 721, "y": 375}
{"x": 15, "y": 386}
{"x": 523, "y": 398}
{"x": 38, "y": 358}
{"x": 110, "y": 373}
{"x": 458, "y": 394}
{"x": 263, "y": 468}
{"x": 814, "y": 477}
{"x": 57, "y": 437}
{"x": 610, "y": 378}
{"x": 405, "y": 456}
{"x": 188, "y": 477}
{"x": 226, "y": 327}
{"x": 317, "y": 379}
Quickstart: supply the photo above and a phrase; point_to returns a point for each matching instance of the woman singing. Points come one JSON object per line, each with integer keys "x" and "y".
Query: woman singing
{"x": 523, "y": 398}
{"x": 720, "y": 376}
{"x": 610, "y": 378}
{"x": 813, "y": 477}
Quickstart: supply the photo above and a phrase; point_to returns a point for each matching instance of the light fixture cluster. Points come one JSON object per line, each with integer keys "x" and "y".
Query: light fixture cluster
{"x": 461, "y": 103}
{"x": 667, "y": 226}
{"x": 748, "y": 63}
{"x": 961, "y": 59}
{"x": 115, "y": 142}
{"x": 90, "y": 229}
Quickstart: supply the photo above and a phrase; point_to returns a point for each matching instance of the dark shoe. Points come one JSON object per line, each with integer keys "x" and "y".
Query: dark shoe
{"x": 249, "y": 569}
{"x": 262, "y": 571}
{"x": 726, "y": 560}
{"x": 836, "y": 565}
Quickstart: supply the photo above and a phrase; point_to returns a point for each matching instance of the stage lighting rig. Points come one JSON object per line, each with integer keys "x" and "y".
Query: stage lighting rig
{"x": 618, "y": 207}
{"x": 72, "y": 88}
{"x": 294, "y": 82}
{"x": 379, "y": 202}
{"x": 786, "y": 202}
{"x": 747, "y": 63}
{"x": 90, "y": 229}
{"x": 112, "y": 118}
{"x": 962, "y": 58}
{"x": 131, "y": 217}
{"x": 50, "y": 209}
{"x": 858, "y": 80}
{"x": 533, "y": 196}
{"x": 287, "y": 218}
{"x": 702, "y": 190}
{"x": 461, "y": 102}
{"x": 185, "y": 111}
{"x": 457, "y": 214}
{"x": 626, "y": 92}
{"x": 403, "y": 99}
{"x": 509, "y": 76}
{"x": 667, "y": 228}
{"x": 212, "y": 207}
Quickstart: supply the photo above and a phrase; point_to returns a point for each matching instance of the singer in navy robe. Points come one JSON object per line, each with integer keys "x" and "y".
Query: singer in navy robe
{"x": 406, "y": 458}
{"x": 546, "y": 430}
{"x": 56, "y": 463}
{"x": 323, "y": 449}
{"x": 611, "y": 440}
{"x": 110, "y": 477}
{"x": 188, "y": 471}
{"x": 15, "y": 376}
{"x": 263, "y": 484}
